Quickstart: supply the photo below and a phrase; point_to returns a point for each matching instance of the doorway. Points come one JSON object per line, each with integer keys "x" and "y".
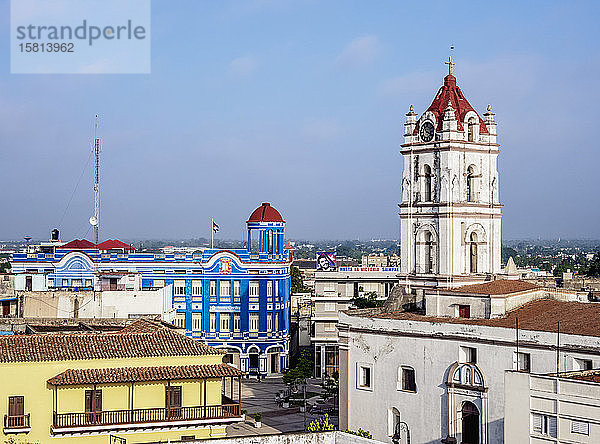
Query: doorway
{"x": 253, "y": 362}
{"x": 274, "y": 362}
{"x": 470, "y": 423}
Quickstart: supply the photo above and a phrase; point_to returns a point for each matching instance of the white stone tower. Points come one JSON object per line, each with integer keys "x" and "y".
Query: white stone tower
{"x": 450, "y": 213}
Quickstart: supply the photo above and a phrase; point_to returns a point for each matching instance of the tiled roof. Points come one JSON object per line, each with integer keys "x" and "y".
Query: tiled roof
{"x": 142, "y": 374}
{"x": 265, "y": 213}
{"x": 145, "y": 326}
{"x": 585, "y": 375}
{"x": 78, "y": 244}
{"x": 70, "y": 347}
{"x": 450, "y": 92}
{"x": 114, "y": 244}
{"x": 576, "y": 318}
{"x": 499, "y": 286}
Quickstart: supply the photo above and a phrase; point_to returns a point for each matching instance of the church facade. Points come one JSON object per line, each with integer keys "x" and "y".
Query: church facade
{"x": 450, "y": 213}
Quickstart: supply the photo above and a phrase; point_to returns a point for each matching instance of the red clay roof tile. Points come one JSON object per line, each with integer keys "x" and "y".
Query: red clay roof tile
{"x": 142, "y": 374}
{"x": 70, "y": 347}
{"x": 499, "y": 286}
{"x": 576, "y": 318}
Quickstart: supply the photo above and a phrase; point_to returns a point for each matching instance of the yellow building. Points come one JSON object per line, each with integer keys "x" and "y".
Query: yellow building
{"x": 144, "y": 384}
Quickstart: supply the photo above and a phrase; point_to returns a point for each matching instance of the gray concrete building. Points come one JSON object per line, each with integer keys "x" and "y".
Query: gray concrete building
{"x": 563, "y": 409}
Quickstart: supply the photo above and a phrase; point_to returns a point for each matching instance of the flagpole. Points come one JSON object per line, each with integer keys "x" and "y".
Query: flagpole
{"x": 212, "y": 232}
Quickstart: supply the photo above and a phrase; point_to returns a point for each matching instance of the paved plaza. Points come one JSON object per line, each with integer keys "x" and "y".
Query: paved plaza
{"x": 260, "y": 397}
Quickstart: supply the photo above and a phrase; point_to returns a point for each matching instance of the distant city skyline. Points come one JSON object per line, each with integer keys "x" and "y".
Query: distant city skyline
{"x": 302, "y": 104}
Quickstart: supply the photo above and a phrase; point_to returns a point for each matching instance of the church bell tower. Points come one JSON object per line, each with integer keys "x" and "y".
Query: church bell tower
{"x": 450, "y": 212}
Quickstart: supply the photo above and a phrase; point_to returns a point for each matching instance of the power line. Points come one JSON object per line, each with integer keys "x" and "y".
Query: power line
{"x": 75, "y": 189}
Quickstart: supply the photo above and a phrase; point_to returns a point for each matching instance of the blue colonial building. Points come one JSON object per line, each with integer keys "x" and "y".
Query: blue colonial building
{"x": 235, "y": 299}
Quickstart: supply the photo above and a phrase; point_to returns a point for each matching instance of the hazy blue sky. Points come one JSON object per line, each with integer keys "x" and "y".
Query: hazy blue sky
{"x": 301, "y": 103}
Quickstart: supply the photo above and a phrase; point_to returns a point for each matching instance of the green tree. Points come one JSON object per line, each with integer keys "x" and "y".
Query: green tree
{"x": 594, "y": 268}
{"x": 369, "y": 300}
{"x": 297, "y": 284}
{"x": 301, "y": 372}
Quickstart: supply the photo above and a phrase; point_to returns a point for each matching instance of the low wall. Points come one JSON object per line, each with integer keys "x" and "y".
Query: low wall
{"x": 335, "y": 437}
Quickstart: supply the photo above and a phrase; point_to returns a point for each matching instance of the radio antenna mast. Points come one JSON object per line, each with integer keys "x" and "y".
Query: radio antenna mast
{"x": 95, "y": 219}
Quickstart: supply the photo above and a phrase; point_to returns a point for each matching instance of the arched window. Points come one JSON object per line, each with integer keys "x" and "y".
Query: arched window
{"x": 473, "y": 252}
{"x": 428, "y": 253}
{"x": 471, "y": 129}
{"x": 427, "y": 193}
{"x": 470, "y": 423}
{"x": 471, "y": 184}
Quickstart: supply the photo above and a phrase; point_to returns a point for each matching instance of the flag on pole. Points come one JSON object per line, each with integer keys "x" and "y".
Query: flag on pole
{"x": 215, "y": 227}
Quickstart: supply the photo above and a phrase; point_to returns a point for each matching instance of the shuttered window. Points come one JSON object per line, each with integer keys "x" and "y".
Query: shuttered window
{"x": 93, "y": 401}
{"x": 16, "y": 406}
{"x": 543, "y": 424}
{"x": 580, "y": 427}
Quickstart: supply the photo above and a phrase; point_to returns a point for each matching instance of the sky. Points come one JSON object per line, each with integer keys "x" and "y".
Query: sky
{"x": 302, "y": 104}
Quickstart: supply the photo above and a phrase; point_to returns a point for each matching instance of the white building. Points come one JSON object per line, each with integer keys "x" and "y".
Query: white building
{"x": 543, "y": 409}
{"x": 450, "y": 211}
{"x": 442, "y": 377}
{"x": 334, "y": 291}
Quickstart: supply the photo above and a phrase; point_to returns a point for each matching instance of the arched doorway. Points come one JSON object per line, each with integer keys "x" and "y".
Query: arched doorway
{"x": 473, "y": 252}
{"x": 470, "y": 423}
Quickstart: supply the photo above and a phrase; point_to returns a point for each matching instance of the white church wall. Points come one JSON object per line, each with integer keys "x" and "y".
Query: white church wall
{"x": 430, "y": 349}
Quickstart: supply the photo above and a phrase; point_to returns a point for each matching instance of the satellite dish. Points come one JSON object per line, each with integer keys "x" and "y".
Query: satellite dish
{"x": 93, "y": 221}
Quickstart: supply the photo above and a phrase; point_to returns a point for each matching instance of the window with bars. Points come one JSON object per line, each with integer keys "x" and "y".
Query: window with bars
{"x": 225, "y": 289}
{"x": 269, "y": 289}
{"x": 180, "y": 320}
{"x": 253, "y": 291}
{"x": 236, "y": 322}
{"x": 225, "y": 322}
{"x": 213, "y": 322}
{"x": 213, "y": 288}
{"x": 197, "y": 288}
{"x": 543, "y": 424}
{"x": 236, "y": 288}
{"x": 253, "y": 318}
{"x": 197, "y": 321}
{"x": 276, "y": 321}
{"x": 269, "y": 322}
{"x": 179, "y": 288}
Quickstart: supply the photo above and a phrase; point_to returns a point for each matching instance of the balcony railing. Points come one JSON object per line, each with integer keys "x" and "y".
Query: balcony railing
{"x": 16, "y": 422}
{"x": 144, "y": 416}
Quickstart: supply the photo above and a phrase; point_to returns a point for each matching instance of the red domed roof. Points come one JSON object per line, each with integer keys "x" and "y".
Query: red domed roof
{"x": 265, "y": 213}
{"x": 450, "y": 92}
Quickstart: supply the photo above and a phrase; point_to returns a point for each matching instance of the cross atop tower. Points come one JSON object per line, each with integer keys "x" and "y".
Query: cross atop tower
{"x": 450, "y": 64}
